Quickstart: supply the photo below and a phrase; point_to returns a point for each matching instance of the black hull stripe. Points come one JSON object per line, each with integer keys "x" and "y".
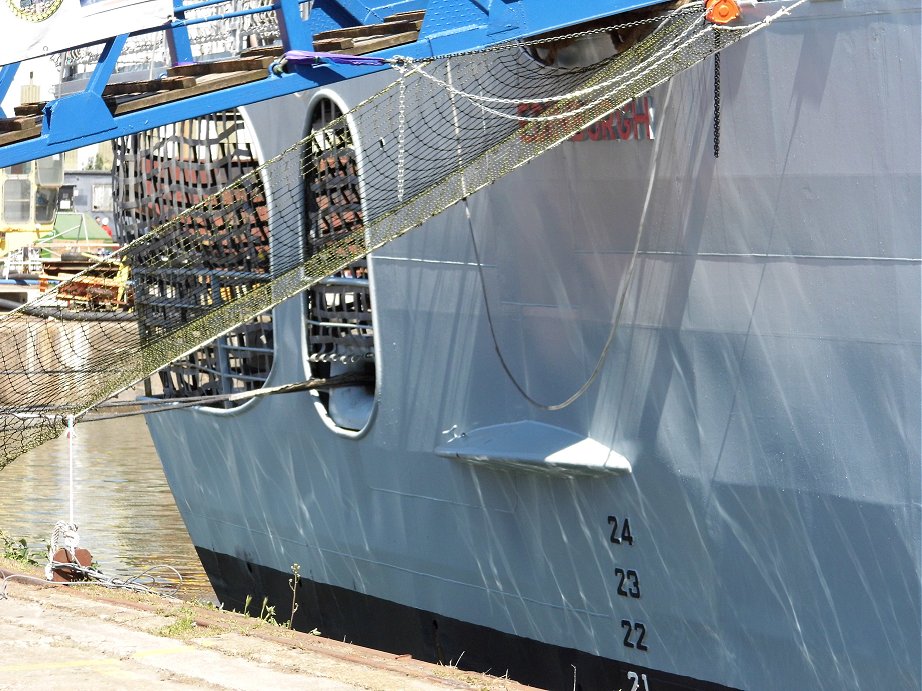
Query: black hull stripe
{"x": 365, "y": 620}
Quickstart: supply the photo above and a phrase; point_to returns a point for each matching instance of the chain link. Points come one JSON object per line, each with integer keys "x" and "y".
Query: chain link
{"x": 716, "y": 96}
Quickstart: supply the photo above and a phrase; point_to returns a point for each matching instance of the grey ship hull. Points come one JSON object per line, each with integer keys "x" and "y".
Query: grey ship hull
{"x": 764, "y": 385}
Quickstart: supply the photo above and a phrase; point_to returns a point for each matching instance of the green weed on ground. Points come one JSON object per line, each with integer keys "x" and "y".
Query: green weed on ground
{"x": 19, "y": 551}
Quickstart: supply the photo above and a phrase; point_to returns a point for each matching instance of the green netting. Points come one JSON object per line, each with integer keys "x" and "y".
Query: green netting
{"x": 444, "y": 129}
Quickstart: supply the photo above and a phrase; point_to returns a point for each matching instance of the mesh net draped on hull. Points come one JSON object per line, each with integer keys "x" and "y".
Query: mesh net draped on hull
{"x": 442, "y": 130}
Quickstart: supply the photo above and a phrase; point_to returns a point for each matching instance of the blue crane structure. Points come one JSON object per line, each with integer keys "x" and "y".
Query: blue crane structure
{"x": 79, "y": 119}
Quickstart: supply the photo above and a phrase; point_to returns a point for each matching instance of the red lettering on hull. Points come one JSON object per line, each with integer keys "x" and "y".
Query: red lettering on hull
{"x": 633, "y": 121}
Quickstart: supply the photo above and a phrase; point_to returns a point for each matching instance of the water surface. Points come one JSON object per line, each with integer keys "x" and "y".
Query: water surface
{"x": 122, "y": 504}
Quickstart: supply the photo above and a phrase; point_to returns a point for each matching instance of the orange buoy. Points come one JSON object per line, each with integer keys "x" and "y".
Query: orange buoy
{"x": 721, "y": 11}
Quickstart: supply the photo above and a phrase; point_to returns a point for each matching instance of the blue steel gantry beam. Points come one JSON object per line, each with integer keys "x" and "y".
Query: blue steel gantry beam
{"x": 449, "y": 26}
{"x": 7, "y": 72}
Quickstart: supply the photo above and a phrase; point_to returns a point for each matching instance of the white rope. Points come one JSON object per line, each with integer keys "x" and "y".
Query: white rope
{"x": 691, "y": 6}
{"x": 579, "y": 92}
{"x": 675, "y": 45}
{"x": 452, "y": 92}
{"x": 762, "y": 23}
{"x": 618, "y": 81}
{"x": 70, "y": 455}
{"x": 406, "y": 69}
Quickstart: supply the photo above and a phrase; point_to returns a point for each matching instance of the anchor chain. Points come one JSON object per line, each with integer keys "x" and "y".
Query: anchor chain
{"x": 716, "y": 98}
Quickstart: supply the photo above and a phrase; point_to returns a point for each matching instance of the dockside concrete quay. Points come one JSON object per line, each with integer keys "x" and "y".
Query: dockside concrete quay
{"x": 87, "y": 638}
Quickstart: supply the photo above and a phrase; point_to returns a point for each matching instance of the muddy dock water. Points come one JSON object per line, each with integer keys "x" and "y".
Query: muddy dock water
{"x": 122, "y": 504}
{"x": 86, "y": 638}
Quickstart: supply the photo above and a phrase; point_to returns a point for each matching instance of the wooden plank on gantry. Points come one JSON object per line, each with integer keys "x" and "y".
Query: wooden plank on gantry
{"x": 19, "y": 128}
{"x": 121, "y": 103}
{"x": 411, "y": 16}
{"x": 148, "y": 86}
{"x": 18, "y": 124}
{"x": 376, "y": 43}
{"x": 204, "y": 84}
{"x": 366, "y": 30}
{"x": 200, "y": 69}
{"x": 20, "y": 135}
{"x": 361, "y": 46}
{"x": 333, "y": 45}
{"x": 121, "y": 89}
{"x": 262, "y": 51}
{"x": 28, "y": 109}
